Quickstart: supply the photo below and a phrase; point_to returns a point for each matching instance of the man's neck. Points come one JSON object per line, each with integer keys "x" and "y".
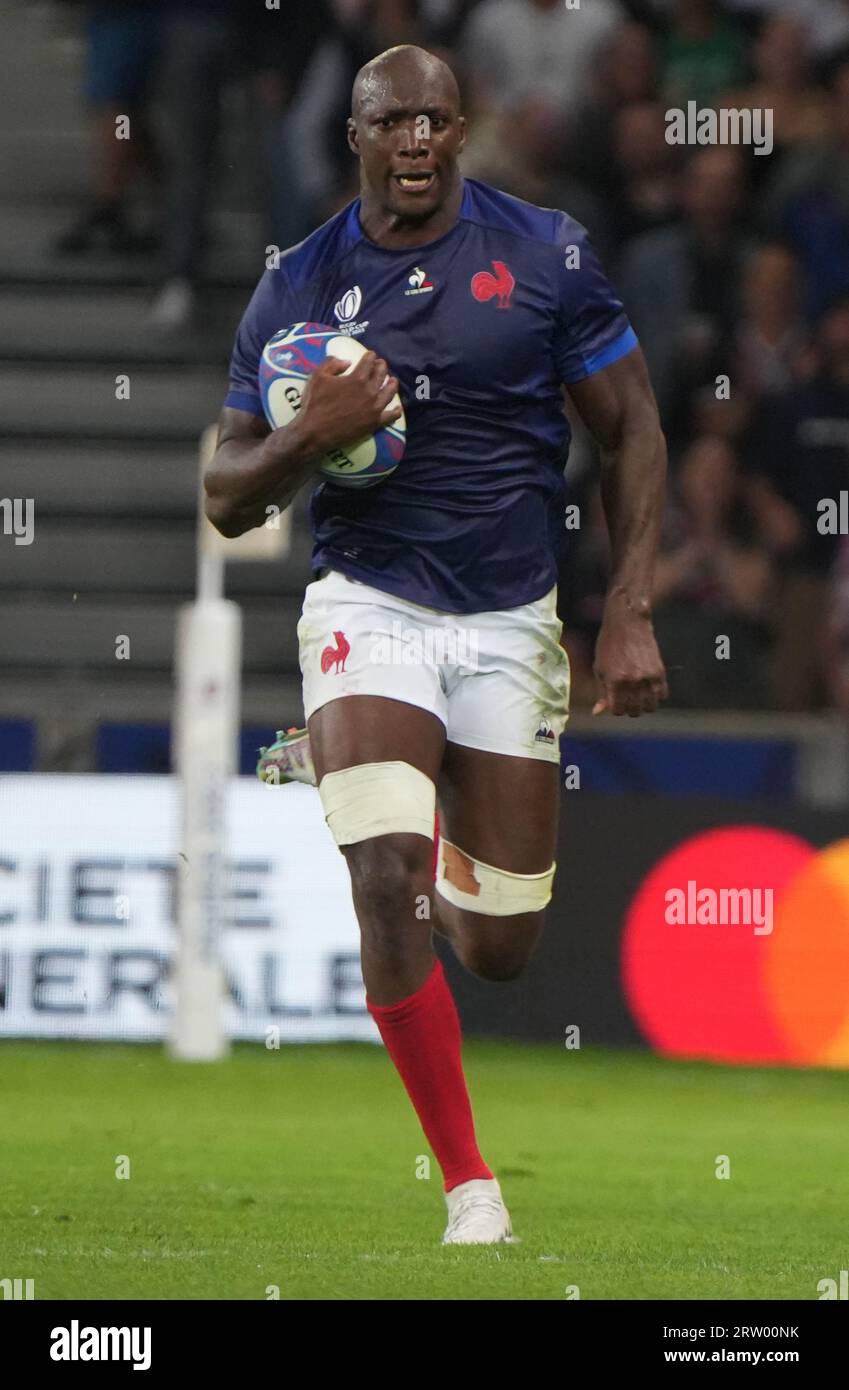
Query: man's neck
{"x": 387, "y": 229}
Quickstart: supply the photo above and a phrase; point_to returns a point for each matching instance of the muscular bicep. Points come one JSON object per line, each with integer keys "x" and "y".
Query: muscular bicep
{"x": 615, "y": 400}
{"x": 239, "y": 433}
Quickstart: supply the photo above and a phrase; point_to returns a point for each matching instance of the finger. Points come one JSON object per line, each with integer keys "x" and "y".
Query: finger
{"x": 601, "y": 705}
{"x": 378, "y": 371}
{"x": 653, "y": 691}
{"x": 390, "y": 416}
{"x": 333, "y": 366}
{"x": 387, "y": 391}
{"x": 630, "y": 707}
{"x": 645, "y": 698}
{"x": 365, "y": 365}
{"x": 626, "y": 699}
{"x": 617, "y": 700}
{"x": 648, "y": 696}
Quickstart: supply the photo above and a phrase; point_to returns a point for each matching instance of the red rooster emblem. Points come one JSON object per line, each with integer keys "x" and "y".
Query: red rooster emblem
{"x": 335, "y": 656}
{"x": 485, "y": 285}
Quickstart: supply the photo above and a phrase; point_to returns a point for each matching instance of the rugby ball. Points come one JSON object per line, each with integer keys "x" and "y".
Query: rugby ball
{"x": 288, "y": 360}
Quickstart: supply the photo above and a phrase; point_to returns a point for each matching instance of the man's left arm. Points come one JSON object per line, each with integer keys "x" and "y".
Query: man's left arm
{"x": 617, "y": 406}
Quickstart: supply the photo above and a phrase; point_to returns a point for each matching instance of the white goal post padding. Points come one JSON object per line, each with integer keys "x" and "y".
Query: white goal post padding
{"x": 206, "y": 740}
{"x": 209, "y": 640}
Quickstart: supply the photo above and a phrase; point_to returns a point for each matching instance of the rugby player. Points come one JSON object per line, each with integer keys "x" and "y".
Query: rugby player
{"x": 479, "y": 309}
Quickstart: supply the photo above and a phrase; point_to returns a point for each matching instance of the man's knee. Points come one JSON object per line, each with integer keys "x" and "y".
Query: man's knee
{"x": 499, "y": 949}
{"x": 392, "y": 880}
{"x": 492, "y": 916}
{"x": 472, "y": 886}
{"x": 495, "y": 966}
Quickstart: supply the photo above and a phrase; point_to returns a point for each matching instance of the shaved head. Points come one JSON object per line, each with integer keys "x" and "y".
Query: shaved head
{"x": 406, "y": 127}
{"x": 409, "y": 63}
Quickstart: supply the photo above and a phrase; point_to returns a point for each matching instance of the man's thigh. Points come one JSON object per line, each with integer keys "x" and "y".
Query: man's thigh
{"x": 499, "y": 809}
{"x": 360, "y": 729}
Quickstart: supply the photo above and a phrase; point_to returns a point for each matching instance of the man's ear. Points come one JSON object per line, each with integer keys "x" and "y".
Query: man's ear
{"x": 462, "y": 126}
{"x": 352, "y": 135}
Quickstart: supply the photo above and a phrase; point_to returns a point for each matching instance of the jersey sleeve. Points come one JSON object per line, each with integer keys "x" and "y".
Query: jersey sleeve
{"x": 591, "y": 327}
{"x": 268, "y": 311}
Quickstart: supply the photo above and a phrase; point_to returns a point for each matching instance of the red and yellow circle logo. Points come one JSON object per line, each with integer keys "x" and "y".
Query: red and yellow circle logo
{"x": 736, "y": 949}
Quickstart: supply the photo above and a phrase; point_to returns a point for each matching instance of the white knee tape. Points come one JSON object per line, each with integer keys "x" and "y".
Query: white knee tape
{"x": 377, "y": 799}
{"x": 467, "y": 883}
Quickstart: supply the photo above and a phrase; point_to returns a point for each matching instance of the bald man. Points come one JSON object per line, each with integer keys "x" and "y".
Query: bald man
{"x": 446, "y": 685}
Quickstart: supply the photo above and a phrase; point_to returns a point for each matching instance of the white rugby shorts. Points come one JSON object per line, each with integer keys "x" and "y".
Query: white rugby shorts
{"x": 498, "y": 681}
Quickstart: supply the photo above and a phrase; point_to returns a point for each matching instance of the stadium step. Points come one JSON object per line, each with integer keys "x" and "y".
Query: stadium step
{"x": 114, "y": 481}
{"x": 80, "y": 632}
{"x": 29, "y": 230}
{"x": 79, "y": 402}
{"x": 44, "y": 135}
{"x": 92, "y": 479}
{"x": 141, "y": 557}
{"x": 57, "y": 699}
{"x": 42, "y": 116}
{"x": 112, "y": 326}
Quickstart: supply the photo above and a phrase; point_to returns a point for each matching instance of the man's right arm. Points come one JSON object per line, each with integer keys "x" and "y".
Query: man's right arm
{"x": 254, "y": 467}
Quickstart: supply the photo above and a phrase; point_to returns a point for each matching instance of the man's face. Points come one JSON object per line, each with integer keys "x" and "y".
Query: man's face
{"x": 408, "y": 133}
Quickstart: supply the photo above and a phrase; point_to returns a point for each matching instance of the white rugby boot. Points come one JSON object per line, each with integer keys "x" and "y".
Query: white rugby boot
{"x": 477, "y": 1214}
{"x": 287, "y": 760}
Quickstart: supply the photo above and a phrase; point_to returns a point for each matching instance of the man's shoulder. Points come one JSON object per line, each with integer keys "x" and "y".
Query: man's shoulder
{"x": 322, "y": 250}
{"x": 489, "y": 207}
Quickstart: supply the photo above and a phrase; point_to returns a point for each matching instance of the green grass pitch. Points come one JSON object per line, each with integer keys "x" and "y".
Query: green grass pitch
{"x": 297, "y": 1169}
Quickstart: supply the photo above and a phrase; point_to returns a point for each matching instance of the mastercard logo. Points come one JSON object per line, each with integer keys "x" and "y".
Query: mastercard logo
{"x": 736, "y": 949}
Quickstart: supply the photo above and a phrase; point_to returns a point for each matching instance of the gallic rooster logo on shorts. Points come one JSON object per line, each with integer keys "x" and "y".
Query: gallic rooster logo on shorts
{"x": 486, "y": 286}
{"x": 335, "y": 656}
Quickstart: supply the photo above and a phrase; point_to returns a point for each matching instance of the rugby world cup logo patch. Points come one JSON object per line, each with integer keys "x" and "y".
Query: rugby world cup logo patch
{"x": 347, "y": 311}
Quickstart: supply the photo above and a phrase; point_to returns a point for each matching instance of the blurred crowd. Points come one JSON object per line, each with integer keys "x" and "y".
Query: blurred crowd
{"x": 733, "y": 265}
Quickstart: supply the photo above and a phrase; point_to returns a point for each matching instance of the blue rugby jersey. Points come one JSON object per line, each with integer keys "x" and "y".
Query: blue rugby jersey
{"x": 481, "y": 327}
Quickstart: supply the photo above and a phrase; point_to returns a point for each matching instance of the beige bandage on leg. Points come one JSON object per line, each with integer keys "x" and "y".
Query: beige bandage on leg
{"x": 377, "y": 799}
{"x": 467, "y": 883}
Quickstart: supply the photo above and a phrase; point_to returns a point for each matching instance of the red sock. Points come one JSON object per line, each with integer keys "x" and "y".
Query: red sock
{"x": 422, "y": 1036}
